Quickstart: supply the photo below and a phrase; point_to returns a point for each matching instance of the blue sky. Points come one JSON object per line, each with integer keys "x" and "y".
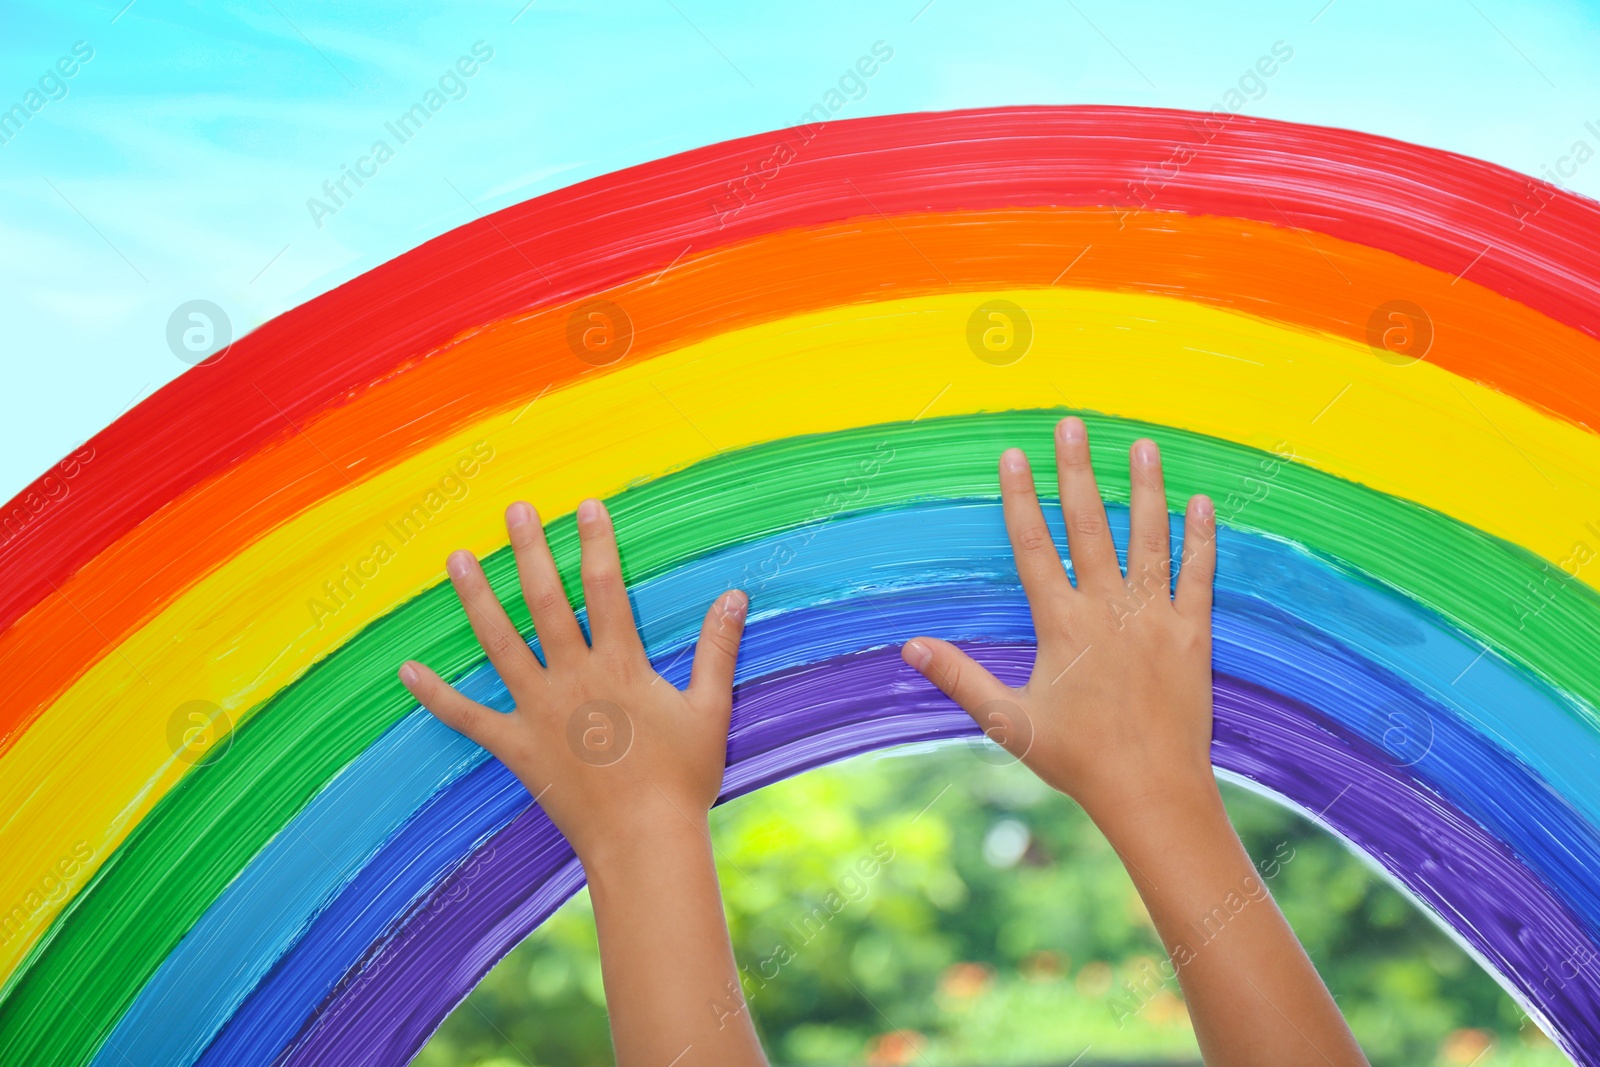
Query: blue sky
{"x": 178, "y": 163}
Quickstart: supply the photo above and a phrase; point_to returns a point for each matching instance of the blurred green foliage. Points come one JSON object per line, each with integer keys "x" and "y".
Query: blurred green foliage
{"x": 944, "y": 907}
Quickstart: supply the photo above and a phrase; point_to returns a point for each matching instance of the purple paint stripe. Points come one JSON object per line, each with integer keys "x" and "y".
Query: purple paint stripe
{"x": 390, "y": 1004}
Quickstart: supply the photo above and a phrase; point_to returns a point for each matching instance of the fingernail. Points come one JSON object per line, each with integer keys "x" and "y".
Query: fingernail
{"x": 1012, "y": 459}
{"x": 519, "y": 514}
{"x": 1072, "y": 430}
{"x": 1146, "y": 453}
{"x": 408, "y": 674}
{"x": 1204, "y": 509}
{"x": 734, "y": 603}
{"x": 459, "y": 564}
{"x": 917, "y": 654}
{"x": 589, "y": 511}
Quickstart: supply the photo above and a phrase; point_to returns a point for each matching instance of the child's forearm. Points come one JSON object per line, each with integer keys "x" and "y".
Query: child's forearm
{"x": 1254, "y": 996}
{"x": 672, "y": 986}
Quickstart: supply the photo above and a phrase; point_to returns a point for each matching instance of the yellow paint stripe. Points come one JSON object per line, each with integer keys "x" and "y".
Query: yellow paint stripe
{"x": 100, "y": 756}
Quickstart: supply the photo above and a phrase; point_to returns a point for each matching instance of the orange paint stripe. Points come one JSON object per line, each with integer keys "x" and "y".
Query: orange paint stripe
{"x": 1319, "y": 283}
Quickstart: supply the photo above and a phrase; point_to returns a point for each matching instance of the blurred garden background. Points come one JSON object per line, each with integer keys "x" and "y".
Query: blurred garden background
{"x": 997, "y": 927}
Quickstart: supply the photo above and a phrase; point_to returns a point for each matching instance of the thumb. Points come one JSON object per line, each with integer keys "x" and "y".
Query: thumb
{"x": 987, "y": 699}
{"x": 718, "y": 647}
{"x": 462, "y": 714}
{"x": 958, "y": 676}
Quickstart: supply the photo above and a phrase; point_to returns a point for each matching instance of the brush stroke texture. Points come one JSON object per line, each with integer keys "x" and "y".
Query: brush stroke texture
{"x": 1267, "y": 271}
{"x": 1494, "y": 827}
{"x": 1435, "y": 208}
{"x": 245, "y": 631}
{"x": 956, "y": 559}
{"x": 166, "y": 876}
{"x": 384, "y": 1012}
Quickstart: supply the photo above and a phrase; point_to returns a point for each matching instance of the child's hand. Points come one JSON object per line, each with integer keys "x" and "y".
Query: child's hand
{"x": 612, "y": 752}
{"x": 1117, "y": 712}
{"x": 627, "y": 767}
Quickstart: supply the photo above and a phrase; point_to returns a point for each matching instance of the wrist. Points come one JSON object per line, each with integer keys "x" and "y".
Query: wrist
{"x": 1185, "y": 807}
{"x": 634, "y": 846}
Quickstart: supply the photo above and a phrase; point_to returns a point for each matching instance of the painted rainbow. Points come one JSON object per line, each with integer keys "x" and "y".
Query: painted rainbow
{"x": 790, "y": 362}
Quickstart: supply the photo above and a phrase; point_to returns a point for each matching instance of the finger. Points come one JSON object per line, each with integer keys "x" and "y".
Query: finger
{"x": 500, "y": 640}
{"x": 1149, "y": 536}
{"x": 489, "y": 728}
{"x": 1094, "y": 557}
{"x": 958, "y": 676}
{"x": 718, "y": 648}
{"x": 546, "y": 598}
{"x": 1044, "y": 577}
{"x": 610, "y": 615}
{"x": 1199, "y": 568}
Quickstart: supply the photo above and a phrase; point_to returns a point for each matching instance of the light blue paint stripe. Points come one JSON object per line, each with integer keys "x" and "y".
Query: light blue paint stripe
{"x": 265, "y": 910}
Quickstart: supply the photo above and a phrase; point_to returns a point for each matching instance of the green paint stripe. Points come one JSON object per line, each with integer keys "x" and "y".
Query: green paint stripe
{"x": 78, "y": 980}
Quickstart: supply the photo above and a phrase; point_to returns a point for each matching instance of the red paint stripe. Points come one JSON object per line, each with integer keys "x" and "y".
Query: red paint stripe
{"x": 1523, "y": 238}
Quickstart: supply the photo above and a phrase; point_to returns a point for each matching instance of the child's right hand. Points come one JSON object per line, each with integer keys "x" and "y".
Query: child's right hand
{"x": 1117, "y": 712}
